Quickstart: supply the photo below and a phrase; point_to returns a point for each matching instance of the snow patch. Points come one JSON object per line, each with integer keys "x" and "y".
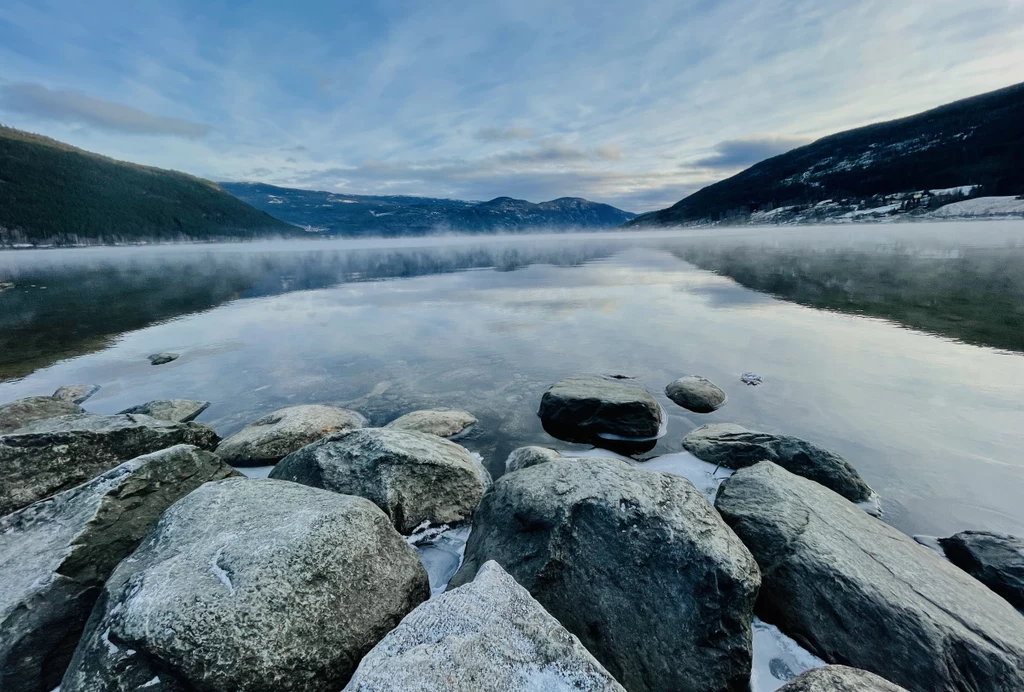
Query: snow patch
{"x": 981, "y": 207}
{"x": 777, "y": 658}
{"x": 441, "y": 551}
{"x": 704, "y": 476}
{"x": 219, "y": 572}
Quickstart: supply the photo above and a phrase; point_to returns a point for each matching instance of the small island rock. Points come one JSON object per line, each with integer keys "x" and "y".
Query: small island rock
{"x": 696, "y": 393}
{"x": 440, "y": 422}
{"x": 585, "y": 408}
{"x": 162, "y": 358}
{"x": 178, "y": 410}
{"x": 994, "y": 559}
{"x": 525, "y": 457}
{"x": 276, "y": 435}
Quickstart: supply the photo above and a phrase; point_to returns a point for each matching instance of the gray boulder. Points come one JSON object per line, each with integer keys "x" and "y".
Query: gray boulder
{"x": 276, "y": 435}
{"x": 76, "y": 393}
{"x": 696, "y": 393}
{"x": 414, "y": 477}
{"x": 525, "y": 457}
{"x": 56, "y": 554}
{"x": 250, "y": 585}
{"x": 735, "y": 447}
{"x": 46, "y": 457}
{"x": 585, "y": 408}
{"x": 178, "y": 410}
{"x": 440, "y": 422}
{"x": 24, "y": 411}
{"x": 839, "y": 679}
{"x": 487, "y": 636}
{"x": 162, "y": 358}
{"x": 994, "y": 559}
{"x": 854, "y": 590}
{"x": 635, "y": 563}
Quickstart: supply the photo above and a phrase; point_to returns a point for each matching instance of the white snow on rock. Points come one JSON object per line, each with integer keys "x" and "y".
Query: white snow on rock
{"x": 441, "y": 550}
{"x": 704, "y": 476}
{"x": 777, "y": 658}
{"x": 255, "y": 471}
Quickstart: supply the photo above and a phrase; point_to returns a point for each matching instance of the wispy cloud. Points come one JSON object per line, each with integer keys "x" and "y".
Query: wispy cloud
{"x": 504, "y": 134}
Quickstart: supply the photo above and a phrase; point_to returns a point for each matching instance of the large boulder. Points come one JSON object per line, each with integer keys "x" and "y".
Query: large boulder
{"x": 590, "y": 408}
{"x": 487, "y": 636}
{"x": 635, "y": 563}
{"x": 76, "y": 393}
{"x": 250, "y": 585}
{"x": 696, "y": 393}
{"x": 735, "y": 447}
{"x": 994, "y": 559}
{"x": 440, "y": 422}
{"x": 414, "y": 477}
{"x": 56, "y": 554}
{"x": 854, "y": 590}
{"x": 839, "y": 679}
{"x": 24, "y": 411}
{"x": 276, "y": 435}
{"x": 178, "y": 410}
{"x": 46, "y": 457}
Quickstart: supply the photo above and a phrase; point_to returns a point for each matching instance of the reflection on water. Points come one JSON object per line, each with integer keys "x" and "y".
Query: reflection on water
{"x": 934, "y": 425}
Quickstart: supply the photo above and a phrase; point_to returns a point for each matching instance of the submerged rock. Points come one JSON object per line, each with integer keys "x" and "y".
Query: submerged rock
{"x": 635, "y": 563}
{"x": 525, "y": 457}
{"x": 440, "y": 422}
{"x": 414, "y": 477}
{"x": 56, "y": 554}
{"x": 24, "y": 411}
{"x": 46, "y": 457}
{"x": 250, "y": 585}
{"x": 735, "y": 447}
{"x": 696, "y": 393}
{"x": 994, "y": 559}
{"x": 855, "y": 590}
{"x": 840, "y": 679}
{"x": 593, "y": 409}
{"x": 76, "y": 393}
{"x": 162, "y": 358}
{"x": 487, "y": 636}
{"x": 278, "y": 434}
{"x": 179, "y": 410}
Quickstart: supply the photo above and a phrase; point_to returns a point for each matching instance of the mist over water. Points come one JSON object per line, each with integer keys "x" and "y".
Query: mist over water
{"x": 897, "y": 346}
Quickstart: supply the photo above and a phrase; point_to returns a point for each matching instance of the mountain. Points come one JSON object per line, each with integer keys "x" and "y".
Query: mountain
{"x": 962, "y": 150}
{"x": 51, "y": 192}
{"x": 362, "y": 215}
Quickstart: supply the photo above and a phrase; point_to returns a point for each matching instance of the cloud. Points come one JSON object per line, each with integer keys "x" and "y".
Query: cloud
{"x": 76, "y": 107}
{"x": 741, "y": 153}
{"x": 503, "y": 134}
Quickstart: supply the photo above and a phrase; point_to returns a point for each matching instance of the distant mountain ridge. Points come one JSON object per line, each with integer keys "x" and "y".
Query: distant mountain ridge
{"x": 975, "y": 143}
{"x": 54, "y": 193}
{"x": 337, "y": 213}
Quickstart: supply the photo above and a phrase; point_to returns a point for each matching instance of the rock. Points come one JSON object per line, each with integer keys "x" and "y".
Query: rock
{"x": 76, "y": 393}
{"x": 751, "y": 378}
{"x": 161, "y": 358}
{"x": 635, "y": 563}
{"x": 525, "y": 457}
{"x": 178, "y": 410}
{"x": 994, "y": 559}
{"x": 251, "y": 586}
{"x": 735, "y": 447}
{"x": 440, "y": 422}
{"x": 839, "y": 679}
{"x": 588, "y": 409}
{"x": 852, "y": 589}
{"x": 56, "y": 554}
{"x": 414, "y": 477}
{"x": 487, "y": 636}
{"x": 23, "y": 411}
{"x": 696, "y": 393}
{"x": 46, "y": 457}
{"x": 278, "y": 434}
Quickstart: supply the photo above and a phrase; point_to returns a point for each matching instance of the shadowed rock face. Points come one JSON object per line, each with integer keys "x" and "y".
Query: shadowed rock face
{"x": 443, "y": 423}
{"x": 581, "y": 409}
{"x": 994, "y": 559}
{"x": 839, "y": 679}
{"x": 24, "y": 411}
{"x": 635, "y": 563}
{"x": 853, "y": 589}
{"x": 278, "y": 434}
{"x": 250, "y": 585}
{"x": 56, "y": 554}
{"x": 487, "y": 636}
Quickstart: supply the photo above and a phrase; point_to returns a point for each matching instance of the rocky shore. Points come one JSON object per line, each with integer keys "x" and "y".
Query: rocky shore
{"x": 136, "y": 555}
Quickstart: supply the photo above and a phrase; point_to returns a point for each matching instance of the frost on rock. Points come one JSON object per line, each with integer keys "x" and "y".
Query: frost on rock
{"x": 777, "y": 658}
{"x": 704, "y": 476}
{"x": 441, "y": 550}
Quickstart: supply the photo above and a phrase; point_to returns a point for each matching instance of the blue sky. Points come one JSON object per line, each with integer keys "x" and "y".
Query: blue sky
{"x": 632, "y": 103}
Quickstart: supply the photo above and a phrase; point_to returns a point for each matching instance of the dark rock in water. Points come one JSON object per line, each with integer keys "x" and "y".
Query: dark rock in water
{"x": 56, "y": 554}
{"x": 178, "y": 410}
{"x": 525, "y": 457}
{"x": 24, "y": 411}
{"x": 594, "y": 409}
{"x": 994, "y": 559}
{"x": 46, "y": 457}
{"x": 487, "y": 636}
{"x": 854, "y": 590}
{"x": 276, "y": 435}
{"x": 696, "y": 393}
{"x": 839, "y": 679}
{"x": 76, "y": 393}
{"x": 161, "y": 358}
{"x": 414, "y": 477}
{"x": 250, "y": 585}
{"x": 635, "y": 563}
{"x": 735, "y": 447}
{"x": 440, "y": 422}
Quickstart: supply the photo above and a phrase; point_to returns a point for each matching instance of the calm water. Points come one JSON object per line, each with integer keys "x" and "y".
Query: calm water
{"x": 899, "y": 347}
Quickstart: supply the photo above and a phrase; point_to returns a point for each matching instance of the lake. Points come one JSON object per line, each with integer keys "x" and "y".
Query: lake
{"x": 900, "y": 347}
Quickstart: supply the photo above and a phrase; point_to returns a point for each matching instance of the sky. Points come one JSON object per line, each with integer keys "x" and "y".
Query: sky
{"x": 636, "y": 104}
